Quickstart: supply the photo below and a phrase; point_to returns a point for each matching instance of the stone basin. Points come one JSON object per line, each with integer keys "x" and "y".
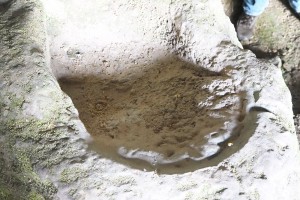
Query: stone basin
{"x": 142, "y": 103}
{"x": 139, "y": 100}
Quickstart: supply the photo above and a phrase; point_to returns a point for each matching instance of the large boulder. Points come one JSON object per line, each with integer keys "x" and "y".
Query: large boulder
{"x": 46, "y": 149}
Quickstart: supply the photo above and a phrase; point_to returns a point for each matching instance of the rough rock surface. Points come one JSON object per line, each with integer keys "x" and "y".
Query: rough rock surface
{"x": 44, "y": 154}
{"x": 277, "y": 33}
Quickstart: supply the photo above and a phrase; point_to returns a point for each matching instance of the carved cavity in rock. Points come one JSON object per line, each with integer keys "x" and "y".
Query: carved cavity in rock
{"x": 173, "y": 114}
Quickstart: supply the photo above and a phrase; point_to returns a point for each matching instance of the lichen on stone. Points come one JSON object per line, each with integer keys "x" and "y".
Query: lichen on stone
{"x": 72, "y": 174}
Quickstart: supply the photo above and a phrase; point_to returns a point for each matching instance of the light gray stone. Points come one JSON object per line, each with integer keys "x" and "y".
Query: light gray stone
{"x": 44, "y": 151}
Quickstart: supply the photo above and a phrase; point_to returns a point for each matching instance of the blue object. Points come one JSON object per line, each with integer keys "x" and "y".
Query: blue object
{"x": 295, "y": 4}
{"x": 256, "y": 7}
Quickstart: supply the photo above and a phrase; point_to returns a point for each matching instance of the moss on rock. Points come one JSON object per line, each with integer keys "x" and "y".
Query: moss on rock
{"x": 72, "y": 175}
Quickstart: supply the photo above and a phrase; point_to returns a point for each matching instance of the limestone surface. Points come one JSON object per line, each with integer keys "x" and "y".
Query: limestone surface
{"x": 164, "y": 80}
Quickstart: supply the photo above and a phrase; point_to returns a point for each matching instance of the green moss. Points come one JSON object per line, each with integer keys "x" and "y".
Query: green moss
{"x": 35, "y": 196}
{"x": 31, "y": 129}
{"x": 268, "y": 29}
{"x": 21, "y": 133}
{"x": 266, "y": 34}
{"x": 16, "y": 102}
{"x": 19, "y": 174}
{"x": 47, "y": 187}
{"x": 24, "y": 161}
{"x": 72, "y": 175}
{"x": 41, "y": 138}
{"x": 5, "y": 193}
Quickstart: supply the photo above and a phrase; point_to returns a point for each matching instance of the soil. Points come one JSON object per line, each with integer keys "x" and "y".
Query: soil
{"x": 277, "y": 34}
{"x": 170, "y": 106}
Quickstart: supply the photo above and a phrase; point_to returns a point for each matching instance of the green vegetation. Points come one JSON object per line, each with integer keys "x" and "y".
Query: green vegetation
{"x": 72, "y": 175}
{"x": 35, "y": 196}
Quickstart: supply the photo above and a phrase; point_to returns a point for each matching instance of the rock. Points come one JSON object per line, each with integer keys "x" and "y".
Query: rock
{"x": 44, "y": 145}
{"x": 3, "y": 1}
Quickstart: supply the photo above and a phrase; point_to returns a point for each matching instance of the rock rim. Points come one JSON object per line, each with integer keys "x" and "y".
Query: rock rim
{"x": 44, "y": 154}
